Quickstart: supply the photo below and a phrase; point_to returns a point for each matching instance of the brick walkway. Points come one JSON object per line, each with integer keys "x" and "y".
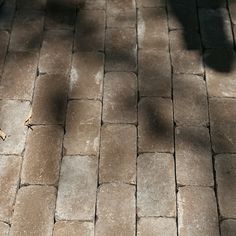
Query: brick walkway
{"x": 132, "y": 118}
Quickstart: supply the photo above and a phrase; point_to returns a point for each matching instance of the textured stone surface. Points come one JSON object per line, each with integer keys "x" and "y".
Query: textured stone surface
{"x": 73, "y": 228}
{"x": 4, "y": 229}
{"x": 116, "y": 210}
{"x": 225, "y": 166}
{"x": 6, "y": 17}
{"x": 34, "y": 211}
{"x": 152, "y": 28}
{"x": 56, "y": 52}
{"x": 154, "y": 73}
{"x": 190, "y": 100}
{"x": 155, "y": 129}
{"x": 221, "y": 72}
{"x": 19, "y": 76}
{"x": 50, "y": 99}
{"x": 92, "y": 4}
{"x": 9, "y": 181}
{"x": 90, "y": 30}
{"x": 156, "y": 185}
{"x": 120, "y": 98}
{"x": 77, "y": 188}
{"x": 27, "y": 31}
{"x": 223, "y": 128}
{"x": 150, "y": 3}
{"x": 197, "y": 211}
{"x": 28, "y": 4}
{"x": 157, "y": 227}
{"x": 13, "y": 115}
{"x": 228, "y": 228}
{"x": 4, "y": 38}
{"x": 118, "y": 154}
{"x": 193, "y": 156}
{"x": 83, "y": 128}
{"x": 87, "y": 73}
{"x": 121, "y": 50}
{"x": 42, "y": 157}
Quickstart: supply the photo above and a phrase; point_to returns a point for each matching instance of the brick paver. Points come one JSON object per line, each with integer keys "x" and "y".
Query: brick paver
{"x": 117, "y": 117}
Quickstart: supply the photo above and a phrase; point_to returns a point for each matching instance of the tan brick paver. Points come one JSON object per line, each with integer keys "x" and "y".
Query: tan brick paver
{"x": 4, "y": 229}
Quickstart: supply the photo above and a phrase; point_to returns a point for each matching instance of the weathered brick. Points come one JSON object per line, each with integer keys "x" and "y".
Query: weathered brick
{"x": 118, "y": 154}
{"x": 152, "y": 29}
{"x": 62, "y": 4}
{"x": 215, "y": 28}
{"x": 121, "y": 50}
{"x": 121, "y": 13}
{"x": 50, "y": 99}
{"x": 182, "y": 16}
{"x": 156, "y": 185}
{"x": 42, "y": 157}
{"x": 157, "y": 226}
{"x": 4, "y": 229}
{"x": 91, "y": 4}
{"x": 225, "y": 166}
{"x": 223, "y": 127}
{"x": 77, "y": 188}
{"x": 4, "y": 38}
{"x": 29, "y": 4}
{"x": 83, "y": 128}
{"x": 19, "y": 75}
{"x": 154, "y": 73}
{"x": 56, "y": 52}
{"x": 155, "y": 129}
{"x": 9, "y": 181}
{"x": 116, "y": 210}
{"x": 120, "y": 98}
{"x": 193, "y": 156}
{"x": 150, "y": 3}
{"x": 220, "y": 72}
{"x": 86, "y": 80}
{"x": 27, "y": 31}
{"x": 232, "y": 10}
{"x": 90, "y": 30}
{"x": 197, "y": 211}
{"x": 34, "y": 211}
{"x": 228, "y": 228}
{"x": 6, "y": 17}
{"x": 190, "y": 100}
{"x": 73, "y": 228}
{"x": 13, "y": 115}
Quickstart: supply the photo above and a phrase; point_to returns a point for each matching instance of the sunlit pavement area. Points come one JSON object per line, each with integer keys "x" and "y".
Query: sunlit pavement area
{"x": 118, "y": 118}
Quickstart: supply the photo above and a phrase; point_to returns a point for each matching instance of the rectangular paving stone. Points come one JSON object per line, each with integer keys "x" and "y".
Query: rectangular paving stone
{"x": 83, "y": 128}
{"x": 225, "y": 166}
{"x": 50, "y": 100}
{"x": 121, "y": 50}
{"x": 152, "y": 29}
{"x": 190, "y": 100}
{"x": 120, "y": 98}
{"x": 42, "y": 157}
{"x": 211, "y": 4}
{"x": 56, "y": 52}
{"x": 154, "y": 73}
{"x": 34, "y": 211}
{"x": 4, "y": 39}
{"x": 156, "y": 185}
{"x": 77, "y": 188}
{"x": 121, "y": 13}
{"x": 150, "y": 3}
{"x": 118, "y": 154}
{"x": 197, "y": 211}
{"x": 228, "y": 227}
{"x": 29, "y": 4}
{"x": 4, "y": 229}
{"x": 193, "y": 156}
{"x": 90, "y": 30}
{"x": 157, "y": 226}
{"x": 9, "y": 180}
{"x": 13, "y": 115}
{"x": 91, "y": 4}
{"x": 232, "y": 10}
{"x": 86, "y": 79}
{"x": 115, "y": 210}
{"x": 215, "y": 28}
{"x": 6, "y": 17}
{"x": 155, "y": 129}
{"x": 73, "y": 228}
{"x": 223, "y": 126}
{"x": 220, "y": 72}
{"x": 27, "y": 31}
{"x": 182, "y": 16}
{"x": 19, "y": 75}
{"x": 62, "y": 4}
